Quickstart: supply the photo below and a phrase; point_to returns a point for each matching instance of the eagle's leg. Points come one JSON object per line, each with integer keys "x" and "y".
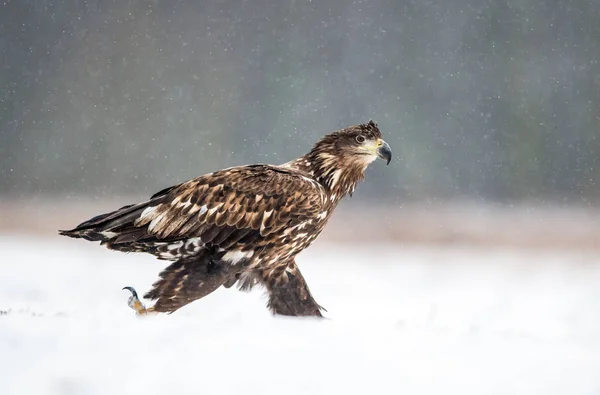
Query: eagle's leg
{"x": 289, "y": 293}
{"x": 182, "y": 282}
{"x": 135, "y": 303}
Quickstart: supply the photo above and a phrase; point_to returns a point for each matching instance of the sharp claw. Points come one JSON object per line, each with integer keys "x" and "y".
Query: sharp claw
{"x": 134, "y": 302}
{"x": 132, "y": 290}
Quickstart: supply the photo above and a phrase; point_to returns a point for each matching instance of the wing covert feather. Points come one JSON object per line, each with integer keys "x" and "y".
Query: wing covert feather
{"x": 262, "y": 198}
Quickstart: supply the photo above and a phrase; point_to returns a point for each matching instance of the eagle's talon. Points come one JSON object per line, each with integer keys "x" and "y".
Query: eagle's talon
{"x": 135, "y": 303}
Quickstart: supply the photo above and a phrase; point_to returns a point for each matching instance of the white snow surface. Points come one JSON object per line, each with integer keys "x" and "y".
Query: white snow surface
{"x": 402, "y": 320}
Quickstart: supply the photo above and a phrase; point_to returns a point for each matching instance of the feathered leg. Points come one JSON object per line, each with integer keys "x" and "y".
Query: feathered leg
{"x": 289, "y": 293}
{"x": 183, "y": 282}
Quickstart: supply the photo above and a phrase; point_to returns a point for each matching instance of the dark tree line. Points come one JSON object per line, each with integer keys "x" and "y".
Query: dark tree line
{"x": 495, "y": 100}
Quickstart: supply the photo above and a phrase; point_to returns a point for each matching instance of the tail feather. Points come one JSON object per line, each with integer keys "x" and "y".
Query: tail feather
{"x": 120, "y": 222}
{"x": 100, "y": 228}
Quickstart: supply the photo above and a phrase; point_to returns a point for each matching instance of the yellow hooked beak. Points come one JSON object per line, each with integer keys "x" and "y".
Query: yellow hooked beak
{"x": 384, "y": 151}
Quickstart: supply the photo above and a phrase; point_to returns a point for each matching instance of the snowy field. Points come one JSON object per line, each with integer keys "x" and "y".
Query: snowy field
{"x": 401, "y": 321}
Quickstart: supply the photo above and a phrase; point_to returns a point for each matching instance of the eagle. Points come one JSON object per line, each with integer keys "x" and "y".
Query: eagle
{"x": 241, "y": 226}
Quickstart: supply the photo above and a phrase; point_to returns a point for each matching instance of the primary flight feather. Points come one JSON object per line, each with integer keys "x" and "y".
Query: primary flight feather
{"x": 242, "y": 225}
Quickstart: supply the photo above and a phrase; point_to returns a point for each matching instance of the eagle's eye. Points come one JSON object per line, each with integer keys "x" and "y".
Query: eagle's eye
{"x": 360, "y": 139}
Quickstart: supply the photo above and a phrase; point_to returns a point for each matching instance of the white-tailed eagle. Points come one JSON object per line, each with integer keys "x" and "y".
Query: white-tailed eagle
{"x": 241, "y": 225}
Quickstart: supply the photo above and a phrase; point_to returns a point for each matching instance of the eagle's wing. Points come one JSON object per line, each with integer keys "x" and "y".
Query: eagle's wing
{"x": 238, "y": 206}
{"x": 234, "y": 205}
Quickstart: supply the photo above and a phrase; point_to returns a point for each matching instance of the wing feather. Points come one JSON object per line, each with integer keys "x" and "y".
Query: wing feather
{"x": 231, "y": 208}
{"x": 258, "y": 198}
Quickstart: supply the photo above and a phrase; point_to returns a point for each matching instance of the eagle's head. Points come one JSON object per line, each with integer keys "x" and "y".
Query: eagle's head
{"x": 357, "y": 145}
{"x": 340, "y": 159}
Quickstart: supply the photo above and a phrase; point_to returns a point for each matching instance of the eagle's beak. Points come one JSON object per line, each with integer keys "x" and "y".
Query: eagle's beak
{"x": 384, "y": 151}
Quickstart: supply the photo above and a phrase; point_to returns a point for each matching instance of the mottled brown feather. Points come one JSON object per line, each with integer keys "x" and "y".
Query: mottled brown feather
{"x": 244, "y": 224}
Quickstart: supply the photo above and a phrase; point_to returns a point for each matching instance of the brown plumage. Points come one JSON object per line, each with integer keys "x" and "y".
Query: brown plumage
{"x": 242, "y": 225}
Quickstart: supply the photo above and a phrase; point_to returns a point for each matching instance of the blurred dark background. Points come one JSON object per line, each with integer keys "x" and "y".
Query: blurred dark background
{"x": 485, "y": 101}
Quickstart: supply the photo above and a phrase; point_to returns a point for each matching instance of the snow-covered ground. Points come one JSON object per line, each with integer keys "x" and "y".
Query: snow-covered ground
{"x": 401, "y": 321}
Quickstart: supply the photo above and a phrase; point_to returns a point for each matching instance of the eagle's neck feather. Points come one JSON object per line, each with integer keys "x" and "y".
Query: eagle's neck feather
{"x": 338, "y": 176}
